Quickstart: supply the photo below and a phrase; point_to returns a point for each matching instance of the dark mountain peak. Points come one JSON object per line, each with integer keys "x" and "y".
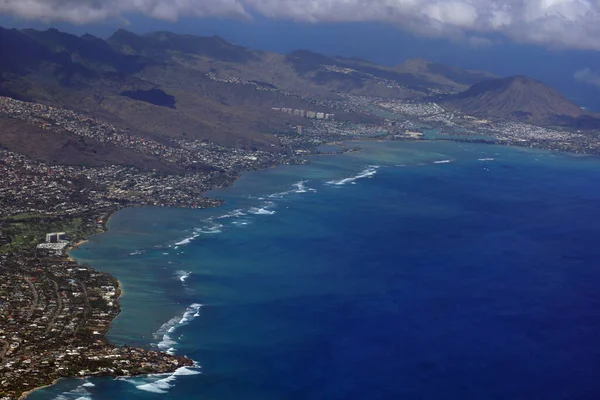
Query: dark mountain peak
{"x": 179, "y": 38}
{"x": 91, "y": 38}
{"x": 163, "y": 43}
{"x": 164, "y": 35}
{"x": 20, "y": 53}
{"x": 121, "y": 34}
{"x": 516, "y": 83}
{"x": 87, "y": 50}
{"x": 516, "y": 97}
{"x": 54, "y": 39}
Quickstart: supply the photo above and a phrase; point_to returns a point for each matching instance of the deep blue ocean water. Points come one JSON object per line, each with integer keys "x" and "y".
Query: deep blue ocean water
{"x": 412, "y": 270}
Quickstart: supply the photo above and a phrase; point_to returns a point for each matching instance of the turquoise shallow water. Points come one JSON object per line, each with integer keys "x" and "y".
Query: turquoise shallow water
{"x": 422, "y": 270}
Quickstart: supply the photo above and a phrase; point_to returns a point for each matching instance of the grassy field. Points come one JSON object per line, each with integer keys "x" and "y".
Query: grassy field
{"x": 28, "y": 230}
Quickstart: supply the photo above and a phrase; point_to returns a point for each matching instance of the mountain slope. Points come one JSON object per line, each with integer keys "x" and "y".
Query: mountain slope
{"x": 88, "y": 50}
{"x": 170, "y": 85}
{"x": 67, "y": 149}
{"x": 443, "y": 74}
{"x": 515, "y": 98}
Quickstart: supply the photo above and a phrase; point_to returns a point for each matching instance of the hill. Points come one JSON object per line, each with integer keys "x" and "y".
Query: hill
{"x": 515, "y": 98}
{"x": 67, "y": 149}
{"x": 164, "y": 84}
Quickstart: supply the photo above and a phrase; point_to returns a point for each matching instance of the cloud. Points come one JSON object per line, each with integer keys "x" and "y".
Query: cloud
{"x": 587, "y": 76}
{"x": 478, "y": 42}
{"x": 87, "y": 11}
{"x": 552, "y": 23}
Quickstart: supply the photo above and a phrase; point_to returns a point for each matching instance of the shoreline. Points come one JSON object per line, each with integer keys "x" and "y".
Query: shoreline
{"x": 27, "y": 393}
{"x": 120, "y": 292}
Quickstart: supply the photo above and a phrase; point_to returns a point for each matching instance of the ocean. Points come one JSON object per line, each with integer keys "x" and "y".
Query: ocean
{"x": 408, "y": 270}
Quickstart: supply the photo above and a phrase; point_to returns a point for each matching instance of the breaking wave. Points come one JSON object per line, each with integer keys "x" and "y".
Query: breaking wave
{"x": 264, "y": 210}
{"x": 186, "y": 241}
{"x": 183, "y": 275}
{"x": 79, "y": 393}
{"x": 298, "y": 187}
{"x": 161, "y": 384}
{"x": 260, "y": 211}
{"x": 442, "y": 162}
{"x": 233, "y": 214}
{"x": 366, "y": 173}
{"x": 210, "y": 230}
{"x": 486, "y": 159}
{"x": 166, "y": 332}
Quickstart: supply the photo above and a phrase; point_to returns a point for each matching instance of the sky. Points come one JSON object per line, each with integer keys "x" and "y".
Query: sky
{"x": 555, "y": 41}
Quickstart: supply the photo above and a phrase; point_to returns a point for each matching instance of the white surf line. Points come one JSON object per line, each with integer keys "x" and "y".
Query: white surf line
{"x": 161, "y": 383}
{"x": 166, "y": 331}
{"x": 366, "y": 173}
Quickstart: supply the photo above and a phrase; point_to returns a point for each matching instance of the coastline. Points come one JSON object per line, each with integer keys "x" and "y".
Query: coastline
{"x": 107, "y": 219}
{"x": 181, "y": 360}
{"x": 120, "y": 293}
{"x": 27, "y": 393}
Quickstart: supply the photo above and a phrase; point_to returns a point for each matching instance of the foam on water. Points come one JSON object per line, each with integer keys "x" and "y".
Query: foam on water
{"x": 302, "y": 188}
{"x": 211, "y": 229}
{"x": 186, "y": 241}
{"x": 214, "y": 228}
{"x": 442, "y": 162}
{"x": 161, "y": 384}
{"x": 368, "y": 172}
{"x": 298, "y": 187}
{"x": 233, "y": 214}
{"x": 79, "y": 393}
{"x": 165, "y": 333}
{"x": 265, "y": 209}
{"x": 486, "y": 159}
{"x": 260, "y": 211}
{"x": 183, "y": 275}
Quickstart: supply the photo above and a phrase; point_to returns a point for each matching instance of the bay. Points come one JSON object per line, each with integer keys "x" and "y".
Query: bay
{"x": 409, "y": 270}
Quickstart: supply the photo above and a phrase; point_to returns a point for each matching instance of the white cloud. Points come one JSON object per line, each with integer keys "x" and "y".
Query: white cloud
{"x": 553, "y": 23}
{"x": 587, "y": 76}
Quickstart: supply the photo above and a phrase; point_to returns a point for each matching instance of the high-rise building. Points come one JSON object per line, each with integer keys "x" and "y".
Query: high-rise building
{"x": 51, "y": 238}
{"x": 56, "y": 237}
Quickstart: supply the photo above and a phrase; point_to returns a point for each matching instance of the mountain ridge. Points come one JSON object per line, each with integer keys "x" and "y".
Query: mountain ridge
{"x": 170, "y": 86}
{"x": 223, "y": 92}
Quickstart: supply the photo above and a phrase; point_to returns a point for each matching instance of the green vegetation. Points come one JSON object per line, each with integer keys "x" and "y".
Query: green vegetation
{"x": 25, "y": 231}
{"x": 24, "y": 217}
